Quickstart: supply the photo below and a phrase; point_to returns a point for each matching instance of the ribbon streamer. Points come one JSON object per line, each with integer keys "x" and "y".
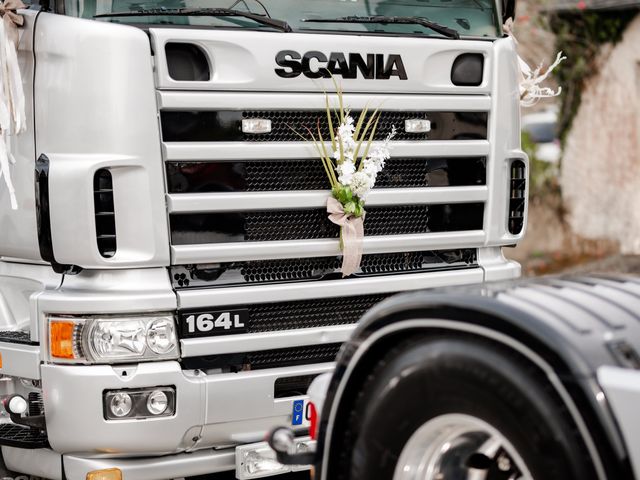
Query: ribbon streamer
{"x": 352, "y": 235}
{"x": 12, "y": 102}
{"x": 530, "y": 79}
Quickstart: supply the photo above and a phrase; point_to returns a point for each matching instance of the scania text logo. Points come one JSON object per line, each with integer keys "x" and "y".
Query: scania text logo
{"x": 316, "y": 65}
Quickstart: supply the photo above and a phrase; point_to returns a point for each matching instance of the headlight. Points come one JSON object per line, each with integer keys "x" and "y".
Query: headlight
{"x": 113, "y": 339}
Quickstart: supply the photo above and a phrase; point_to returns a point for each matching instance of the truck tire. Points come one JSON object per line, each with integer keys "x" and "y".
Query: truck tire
{"x": 458, "y": 407}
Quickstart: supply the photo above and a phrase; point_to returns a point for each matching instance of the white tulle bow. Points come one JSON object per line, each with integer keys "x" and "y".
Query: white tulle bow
{"x": 12, "y": 106}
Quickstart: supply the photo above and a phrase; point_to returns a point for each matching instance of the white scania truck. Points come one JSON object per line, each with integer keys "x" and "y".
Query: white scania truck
{"x": 170, "y": 285}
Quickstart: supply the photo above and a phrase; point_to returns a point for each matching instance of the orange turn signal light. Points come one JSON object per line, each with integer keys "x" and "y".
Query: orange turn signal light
{"x": 108, "y": 474}
{"x": 61, "y": 339}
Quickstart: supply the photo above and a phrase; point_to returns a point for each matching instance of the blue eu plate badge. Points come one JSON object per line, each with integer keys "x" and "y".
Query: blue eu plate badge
{"x": 298, "y": 412}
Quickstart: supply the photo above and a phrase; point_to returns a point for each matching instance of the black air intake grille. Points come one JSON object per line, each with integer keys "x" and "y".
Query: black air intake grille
{"x": 283, "y": 357}
{"x": 287, "y": 175}
{"x": 226, "y": 125}
{"x": 296, "y": 315}
{"x": 518, "y": 197}
{"x": 321, "y": 268}
{"x": 276, "y": 225}
{"x": 16, "y": 337}
{"x": 104, "y": 213}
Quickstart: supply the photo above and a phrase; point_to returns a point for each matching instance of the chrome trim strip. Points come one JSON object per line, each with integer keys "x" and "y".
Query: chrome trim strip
{"x": 229, "y": 252}
{"x": 220, "y": 151}
{"x": 216, "y": 297}
{"x": 252, "y": 201}
{"x": 252, "y": 342}
{"x": 172, "y": 100}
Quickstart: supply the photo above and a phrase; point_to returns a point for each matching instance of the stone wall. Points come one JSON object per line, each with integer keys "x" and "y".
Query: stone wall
{"x": 600, "y": 175}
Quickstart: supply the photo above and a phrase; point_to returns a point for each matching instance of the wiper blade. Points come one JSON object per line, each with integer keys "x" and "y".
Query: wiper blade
{"x": 201, "y": 12}
{"x": 436, "y": 27}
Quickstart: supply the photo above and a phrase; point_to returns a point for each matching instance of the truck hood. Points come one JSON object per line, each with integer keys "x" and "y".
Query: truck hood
{"x": 297, "y": 62}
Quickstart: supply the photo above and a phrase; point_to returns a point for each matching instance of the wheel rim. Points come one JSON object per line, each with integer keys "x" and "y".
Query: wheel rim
{"x": 459, "y": 447}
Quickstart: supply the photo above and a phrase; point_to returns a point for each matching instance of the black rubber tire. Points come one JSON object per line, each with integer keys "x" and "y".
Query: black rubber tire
{"x": 424, "y": 378}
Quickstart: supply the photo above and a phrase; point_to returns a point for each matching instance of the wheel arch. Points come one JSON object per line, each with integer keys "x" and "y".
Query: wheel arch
{"x": 566, "y": 366}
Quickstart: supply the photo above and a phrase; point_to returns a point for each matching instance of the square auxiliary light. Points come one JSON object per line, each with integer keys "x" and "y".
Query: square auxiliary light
{"x": 256, "y": 125}
{"x": 417, "y": 125}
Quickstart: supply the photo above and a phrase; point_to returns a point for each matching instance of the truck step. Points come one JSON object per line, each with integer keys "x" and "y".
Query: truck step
{"x": 22, "y": 437}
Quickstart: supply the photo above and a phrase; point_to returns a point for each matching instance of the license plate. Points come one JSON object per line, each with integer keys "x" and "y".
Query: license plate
{"x": 301, "y": 415}
{"x": 213, "y": 323}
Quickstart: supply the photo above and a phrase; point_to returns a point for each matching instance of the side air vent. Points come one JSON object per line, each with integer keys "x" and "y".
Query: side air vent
{"x": 187, "y": 63}
{"x": 105, "y": 213}
{"x": 518, "y": 197}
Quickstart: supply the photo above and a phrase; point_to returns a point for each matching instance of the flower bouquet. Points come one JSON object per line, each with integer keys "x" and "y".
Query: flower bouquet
{"x": 352, "y": 164}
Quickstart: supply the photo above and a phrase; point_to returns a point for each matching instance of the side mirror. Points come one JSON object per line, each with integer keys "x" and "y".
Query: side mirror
{"x": 508, "y": 10}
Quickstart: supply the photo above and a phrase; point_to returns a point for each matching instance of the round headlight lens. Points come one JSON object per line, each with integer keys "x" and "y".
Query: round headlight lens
{"x": 161, "y": 336}
{"x": 121, "y": 404}
{"x": 157, "y": 402}
{"x": 117, "y": 339}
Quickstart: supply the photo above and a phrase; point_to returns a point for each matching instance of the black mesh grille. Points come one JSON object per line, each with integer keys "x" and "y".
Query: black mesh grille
{"x": 321, "y": 312}
{"x": 226, "y": 125}
{"x": 292, "y": 386}
{"x": 16, "y": 337}
{"x": 283, "y": 357}
{"x": 313, "y": 224}
{"x": 270, "y": 317}
{"x": 287, "y": 175}
{"x": 22, "y": 437}
{"x": 282, "y": 122}
{"x": 321, "y": 268}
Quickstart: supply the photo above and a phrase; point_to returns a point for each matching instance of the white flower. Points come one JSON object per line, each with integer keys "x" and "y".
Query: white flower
{"x": 347, "y": 128}
{"x": 346, "y": 171}
{"x": 361, "y": 184}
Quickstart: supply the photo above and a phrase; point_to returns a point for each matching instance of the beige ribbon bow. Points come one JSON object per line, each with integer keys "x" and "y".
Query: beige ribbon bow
{"x": 11, "y": 19}
{"x": 352, "y": 235}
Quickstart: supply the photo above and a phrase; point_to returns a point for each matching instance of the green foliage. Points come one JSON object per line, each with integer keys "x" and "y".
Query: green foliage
{"x": 581, "y": 35}
{"x": 543, "y": 175}
{"x": 351, "y": 204}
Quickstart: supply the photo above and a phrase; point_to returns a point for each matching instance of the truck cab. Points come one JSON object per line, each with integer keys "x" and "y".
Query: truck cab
{"x": 170, "y": 284}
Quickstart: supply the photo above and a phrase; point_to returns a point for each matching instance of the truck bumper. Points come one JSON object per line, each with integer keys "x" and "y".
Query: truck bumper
{"x": 219, "y": 410}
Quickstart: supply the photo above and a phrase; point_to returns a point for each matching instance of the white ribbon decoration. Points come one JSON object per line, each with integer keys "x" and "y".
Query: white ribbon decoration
{"x": 530, "y": 90}
{"x": 12, "y": 102}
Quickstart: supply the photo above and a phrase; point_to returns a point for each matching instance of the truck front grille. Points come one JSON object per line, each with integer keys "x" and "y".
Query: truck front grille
{"x": 187, "y": 229}
{"x": 282, "y": 357}
{"x": 288, "y": 125}
{"x": 320, "y": 268}
{"x": 308, "y": 174}
{"x": 295, "y": 315}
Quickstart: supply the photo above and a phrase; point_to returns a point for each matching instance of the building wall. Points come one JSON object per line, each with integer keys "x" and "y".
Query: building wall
{"x": 601, "y": 165}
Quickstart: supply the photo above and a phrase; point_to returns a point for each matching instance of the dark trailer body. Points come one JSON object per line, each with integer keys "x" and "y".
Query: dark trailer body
{"x": 549, "y": 367}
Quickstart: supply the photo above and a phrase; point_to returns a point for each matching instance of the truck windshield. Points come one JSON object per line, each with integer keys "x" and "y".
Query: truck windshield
{"x": 467, "y": 17}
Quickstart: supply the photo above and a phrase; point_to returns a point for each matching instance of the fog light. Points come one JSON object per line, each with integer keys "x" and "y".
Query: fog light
{"x": 256, "y": 125}
{"x": 257, "y": 461}
{"x": 417, "y": 125}
{"x": 108, "y": 474}
{"x": 16, "y": 405}
{"x": 157, "y": 402}
{"x": 121, "y": 404}
{"x": 140, "y": 403}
